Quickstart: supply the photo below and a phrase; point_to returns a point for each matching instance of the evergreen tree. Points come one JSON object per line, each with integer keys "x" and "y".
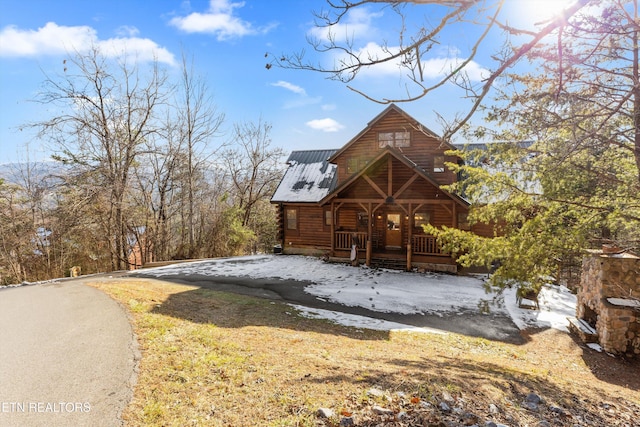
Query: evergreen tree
{"x": 575, "y": 183}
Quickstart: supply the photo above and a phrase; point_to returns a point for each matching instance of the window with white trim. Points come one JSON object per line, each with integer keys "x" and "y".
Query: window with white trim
{"x": 394, "y": 139}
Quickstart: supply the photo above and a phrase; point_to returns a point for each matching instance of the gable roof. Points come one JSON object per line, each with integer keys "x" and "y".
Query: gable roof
{"x": 389, "y": 151}
{"x": 392, "y": 107}
{"x": 309, "y": 177}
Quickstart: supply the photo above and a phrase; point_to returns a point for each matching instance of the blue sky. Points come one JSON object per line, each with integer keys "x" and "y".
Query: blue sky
{"x": 228, "y": 41}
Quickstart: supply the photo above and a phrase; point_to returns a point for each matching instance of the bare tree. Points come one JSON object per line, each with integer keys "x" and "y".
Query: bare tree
{"x": 412, "y": 49}
{"x": 253, "y": 166}
{"x": 198, "y": 123}
{"x": 107, "y": 111}
{"x": 14, "y": 248}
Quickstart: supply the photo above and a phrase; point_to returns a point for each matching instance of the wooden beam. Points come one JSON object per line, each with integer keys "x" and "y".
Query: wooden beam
{"x": 375, "y": 186}
{"x": 409, "y": 238}
{"x": 403, "y": 208}
{"x": 398, "y": 201}
{"x": 333, "y": 228}
{"x": 369, "y": 235}
{"x": 406, "y": 185}
{"x": 389, "y": 175}
{"x": 455, "y": 217}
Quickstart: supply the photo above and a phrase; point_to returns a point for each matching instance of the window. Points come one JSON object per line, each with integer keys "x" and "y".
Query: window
{"x": 463, "y": 221}
{"x": 327, "y": 218}
{"x": 363, "y": 219}
{"x": 292, "y": 219}
{"x": 438, "y": 163}
{"x": 420, "y": 219}
{"x": 352, "y": 165}
{"x": 394, "y": 139}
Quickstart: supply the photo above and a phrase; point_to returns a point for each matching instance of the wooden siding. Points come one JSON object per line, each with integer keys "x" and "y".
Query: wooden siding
{"x": 310, "y": 232}
{"x": 393, "y": 185}
{"x": 422, "y": 150}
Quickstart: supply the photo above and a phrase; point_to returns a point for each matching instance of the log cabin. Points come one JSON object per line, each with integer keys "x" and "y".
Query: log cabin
{"x": 375, "y": 192}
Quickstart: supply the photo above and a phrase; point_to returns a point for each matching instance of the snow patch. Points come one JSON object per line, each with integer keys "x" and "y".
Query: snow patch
{"x": 387, "y": 291}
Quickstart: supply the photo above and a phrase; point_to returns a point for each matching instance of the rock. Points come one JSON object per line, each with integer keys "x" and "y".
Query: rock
{"x": 447, "y": 397}
{"x": 324, "y": 413}
{"x": 530, "y": 406}
{"x": 444, "y": 407}
{"x": 347, "y": 422}
{"x": 379, "y": 410}
{"x": 557, "y": 410}
{"x": 544, "y": 423}
{"x": 533, "y": 398}
{"x": 493, "y": 409}
{"x": 468, "y": 418}
{"x": 375, "y": 392}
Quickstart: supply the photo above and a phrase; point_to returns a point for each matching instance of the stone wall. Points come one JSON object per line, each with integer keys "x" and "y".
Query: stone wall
{"x": 609, "y": 296}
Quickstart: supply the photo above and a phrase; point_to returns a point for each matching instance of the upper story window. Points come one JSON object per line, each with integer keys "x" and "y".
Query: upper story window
{"x": 438, "y": 163}
{"x": 352, "y": 165}
{"x": 355, "y": 164}
{"x": 394, "y": 139}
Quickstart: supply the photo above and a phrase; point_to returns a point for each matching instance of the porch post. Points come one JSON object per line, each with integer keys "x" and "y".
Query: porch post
{"x": 455, "y": 216}
{"x": 409, "y": 237}
{"x": 333, "y": 229}
{"x": 369, "y": 234}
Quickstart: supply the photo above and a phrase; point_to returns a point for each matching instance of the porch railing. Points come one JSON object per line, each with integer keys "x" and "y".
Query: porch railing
{"x": 344, "y": 241}
{"x": 426, "y": 245}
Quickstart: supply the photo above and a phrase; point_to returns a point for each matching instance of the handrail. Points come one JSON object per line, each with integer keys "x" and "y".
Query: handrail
{"x": 426, "y": 245}
{"x": 344, "y": 239}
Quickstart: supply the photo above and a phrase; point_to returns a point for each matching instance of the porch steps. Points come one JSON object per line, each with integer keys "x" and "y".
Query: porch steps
{"x": 392, "y": 264}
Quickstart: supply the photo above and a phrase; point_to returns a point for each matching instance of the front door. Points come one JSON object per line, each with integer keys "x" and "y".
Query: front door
{"x": 394, "y": 232}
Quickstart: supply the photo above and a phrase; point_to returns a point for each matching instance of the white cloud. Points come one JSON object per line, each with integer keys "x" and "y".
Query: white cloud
{"x": 328, "y": 107}
{"x": 432, "y": 68}
{"x": 219, "y": 20}
{"x": 142, "y": 49}
{"x": 325, "y": 125}
{"x": 290, "y": 86}
{"x": 50, "y": 39}
{"x": 127, "y": 31}
{"x": 357, "y": 24}
{"x": 54, "y": 39}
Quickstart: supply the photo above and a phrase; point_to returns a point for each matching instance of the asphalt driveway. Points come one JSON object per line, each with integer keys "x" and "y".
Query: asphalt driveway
{"x": 494, "y": 326}
{"x": 68, "y": 356}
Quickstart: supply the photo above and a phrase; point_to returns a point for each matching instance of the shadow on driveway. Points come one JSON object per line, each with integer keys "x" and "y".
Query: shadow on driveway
{"x": 495, "y": 327}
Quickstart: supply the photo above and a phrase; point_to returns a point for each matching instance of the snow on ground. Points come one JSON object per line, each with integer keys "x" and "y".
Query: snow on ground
{"x": 386, "y": 290}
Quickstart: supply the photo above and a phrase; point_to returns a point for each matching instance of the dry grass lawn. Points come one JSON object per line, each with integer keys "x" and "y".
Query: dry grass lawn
{"x": 220, "y": 359}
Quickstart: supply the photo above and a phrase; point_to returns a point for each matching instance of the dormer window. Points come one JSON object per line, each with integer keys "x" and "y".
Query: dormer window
{"x": 394, "y": 139}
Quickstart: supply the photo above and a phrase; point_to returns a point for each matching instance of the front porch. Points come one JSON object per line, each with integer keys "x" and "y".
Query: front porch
{"x": 423, "y": 252}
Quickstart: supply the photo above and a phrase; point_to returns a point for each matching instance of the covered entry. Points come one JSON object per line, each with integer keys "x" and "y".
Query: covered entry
{"x": 383, "y": 208}
{"x": 393, "y": 232}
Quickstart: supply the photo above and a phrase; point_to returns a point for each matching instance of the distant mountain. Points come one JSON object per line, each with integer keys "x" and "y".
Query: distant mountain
{"x": 17, "y": 173}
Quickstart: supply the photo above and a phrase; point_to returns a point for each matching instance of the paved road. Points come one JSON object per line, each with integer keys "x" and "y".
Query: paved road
{"x": 67, "y": 356}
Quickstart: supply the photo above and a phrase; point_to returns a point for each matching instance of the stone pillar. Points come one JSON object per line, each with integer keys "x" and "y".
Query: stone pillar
{"x": 610, "y": 287}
